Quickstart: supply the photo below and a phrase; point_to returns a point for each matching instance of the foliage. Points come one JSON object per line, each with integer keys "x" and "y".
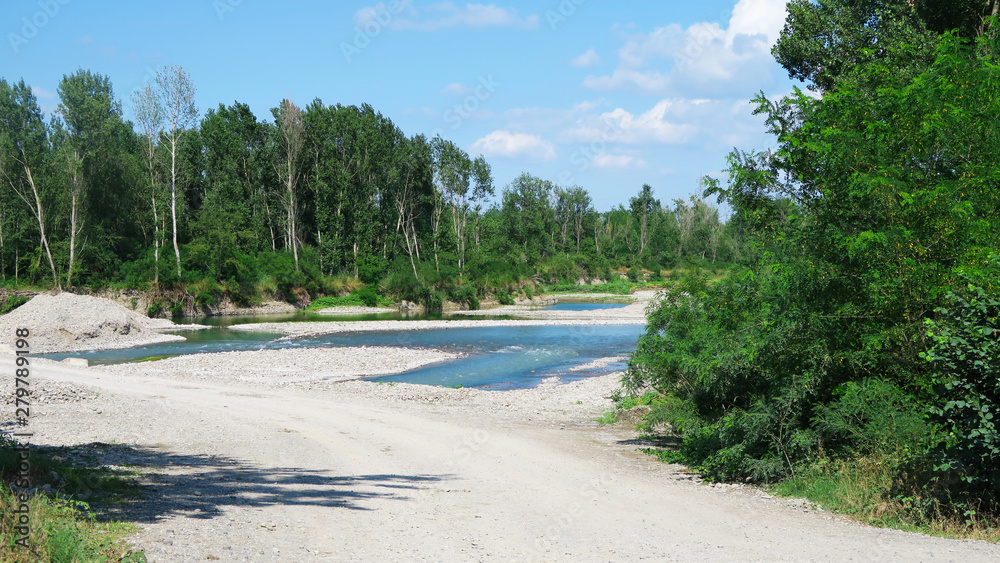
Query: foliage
{"x": 879, "y": 201}
{"x": 366, "y": 297}
{"x": 63, "y": 529}
{"x": 965, "y": 359}
{"x": 13, "y": 302}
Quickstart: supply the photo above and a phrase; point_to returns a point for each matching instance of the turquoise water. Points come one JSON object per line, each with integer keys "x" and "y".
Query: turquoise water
{"x": 494, "y": 357}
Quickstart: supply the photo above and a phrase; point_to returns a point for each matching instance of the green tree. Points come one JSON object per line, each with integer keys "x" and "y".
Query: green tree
{"x": 25, "y": 156}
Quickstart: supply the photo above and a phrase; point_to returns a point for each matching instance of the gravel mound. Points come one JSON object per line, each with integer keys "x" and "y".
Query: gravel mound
{"x": 67, "y": 323}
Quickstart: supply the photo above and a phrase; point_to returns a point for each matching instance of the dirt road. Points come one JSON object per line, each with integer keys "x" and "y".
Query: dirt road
{"x": 341, "y": 473}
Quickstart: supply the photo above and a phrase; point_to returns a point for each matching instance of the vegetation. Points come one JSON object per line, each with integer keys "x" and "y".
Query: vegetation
{"x": 62, "y": 527}
{"x": 854, "y": 347}
{"x": 229, "y": 205}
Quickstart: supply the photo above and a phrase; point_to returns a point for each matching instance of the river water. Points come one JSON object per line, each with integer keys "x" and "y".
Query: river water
{"x": 504, "y": 357}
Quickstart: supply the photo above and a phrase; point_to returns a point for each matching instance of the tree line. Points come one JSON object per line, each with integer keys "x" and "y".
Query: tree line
{"x": 238, "y": 204}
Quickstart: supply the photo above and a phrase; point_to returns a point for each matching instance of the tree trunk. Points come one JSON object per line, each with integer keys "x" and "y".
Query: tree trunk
{"x": 40, "y": 216}
{"x": 173, "y": 201}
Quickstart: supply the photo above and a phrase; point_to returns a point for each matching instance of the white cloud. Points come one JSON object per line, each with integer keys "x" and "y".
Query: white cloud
{"x": 456, "y": 89}
{"x": 507, "y": 144}
{"x": 41, "y": 93}
{"x": 605, "y": 160}
{"x": 442, "y": 15}
{"x": 705, "y": 58}
{"x": 661, "y": 124}
{"x": 587, "y": 60}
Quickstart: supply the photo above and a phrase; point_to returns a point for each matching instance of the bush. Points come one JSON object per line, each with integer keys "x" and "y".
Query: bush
{"x": 633, "y": 274}
{"x": 13, "y": 302}
{"x": 155, "y": 308}
{"x": 504, "y": 297}
{"x": 368, "y": 297}
{"x": 965, "y": 357}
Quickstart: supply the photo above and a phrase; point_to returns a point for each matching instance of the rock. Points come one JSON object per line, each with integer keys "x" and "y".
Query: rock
{"x": 81, "y": 362}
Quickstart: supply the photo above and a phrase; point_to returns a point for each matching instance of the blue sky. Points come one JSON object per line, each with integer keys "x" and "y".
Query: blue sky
{"x": 605, "y": 95}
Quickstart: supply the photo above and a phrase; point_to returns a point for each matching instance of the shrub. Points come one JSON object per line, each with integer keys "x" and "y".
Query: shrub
{"x": 504, "y": 297}
{"x": 965, "y": 357}
{"x": 155, "y": 308}
{"x": 13, "y": 302}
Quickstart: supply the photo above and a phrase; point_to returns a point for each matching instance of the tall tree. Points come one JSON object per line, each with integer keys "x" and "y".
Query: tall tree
{"x": 176, "y": 95}
{"x": 454, "y": 174}
{"x": 290, "y": 138}
{"x": 149, "y": 114}
{"x": 24, "y": 155}
{"x": 92, "y": 119}
{"x": 644, "y": 208}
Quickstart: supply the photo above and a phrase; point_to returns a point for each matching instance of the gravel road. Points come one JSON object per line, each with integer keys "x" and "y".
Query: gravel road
{"x": 270, "y": 469}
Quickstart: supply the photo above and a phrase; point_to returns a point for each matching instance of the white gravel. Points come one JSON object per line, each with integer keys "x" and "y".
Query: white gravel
{"x": 67, "y": 322}
{"x": 287, "y": 366}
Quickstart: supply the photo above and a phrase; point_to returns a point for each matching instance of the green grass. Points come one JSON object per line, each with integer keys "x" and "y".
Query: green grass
{"x": 356, "y": 299}
{"x": 625, "y": 403}
{"x": 621, "y": 287}
{"x": 609, "y": 417}
{"x": 12, "y": 302}
{"x": 62, "y": 525}
{"x": 149, "y": 359}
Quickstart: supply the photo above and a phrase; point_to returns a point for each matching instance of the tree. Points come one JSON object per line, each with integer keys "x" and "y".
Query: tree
{"x": 25, "y": 154}
{"x": 149, "y": 114}
{"x": 528, "y": 218}
{"x": 644, "y": 208}
{"x": 454, "y": 174}
{"x": 175, "y": 92}
{"x": 290, "y": 133}
{"x": 572, "y": 207}
{"x": 93, "y": 120}
{"x": 825, "y": 42}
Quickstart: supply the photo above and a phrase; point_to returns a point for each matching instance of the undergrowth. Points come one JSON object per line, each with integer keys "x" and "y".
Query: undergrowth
{"x": 61, "y": 524}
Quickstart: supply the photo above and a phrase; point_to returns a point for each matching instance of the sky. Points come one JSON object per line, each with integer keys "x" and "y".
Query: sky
{"x": 605, "y": 95}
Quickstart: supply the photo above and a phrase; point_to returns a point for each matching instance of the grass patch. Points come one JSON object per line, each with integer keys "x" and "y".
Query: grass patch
{"x": 867, "y": 489}
{"x": 609, "y": 417}
{"x": 149, "y": 359}
{"x": 63, "y": 526}
{"x": 621, "y": 287}
{"x": 624, "y": 404}
{"x": 360, "y": 298}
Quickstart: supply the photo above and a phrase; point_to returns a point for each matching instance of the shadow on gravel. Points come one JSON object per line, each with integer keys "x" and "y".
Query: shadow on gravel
{"x": 198, "y": 486}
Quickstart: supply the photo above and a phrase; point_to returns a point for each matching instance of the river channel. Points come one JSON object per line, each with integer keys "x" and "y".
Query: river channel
{"x": 494, "y": 357}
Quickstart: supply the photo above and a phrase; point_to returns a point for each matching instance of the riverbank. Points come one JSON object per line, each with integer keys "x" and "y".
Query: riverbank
{"x": 632, "y": 314}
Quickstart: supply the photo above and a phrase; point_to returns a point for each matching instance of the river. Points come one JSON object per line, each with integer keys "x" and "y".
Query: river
{"x": 495, "y": 357}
